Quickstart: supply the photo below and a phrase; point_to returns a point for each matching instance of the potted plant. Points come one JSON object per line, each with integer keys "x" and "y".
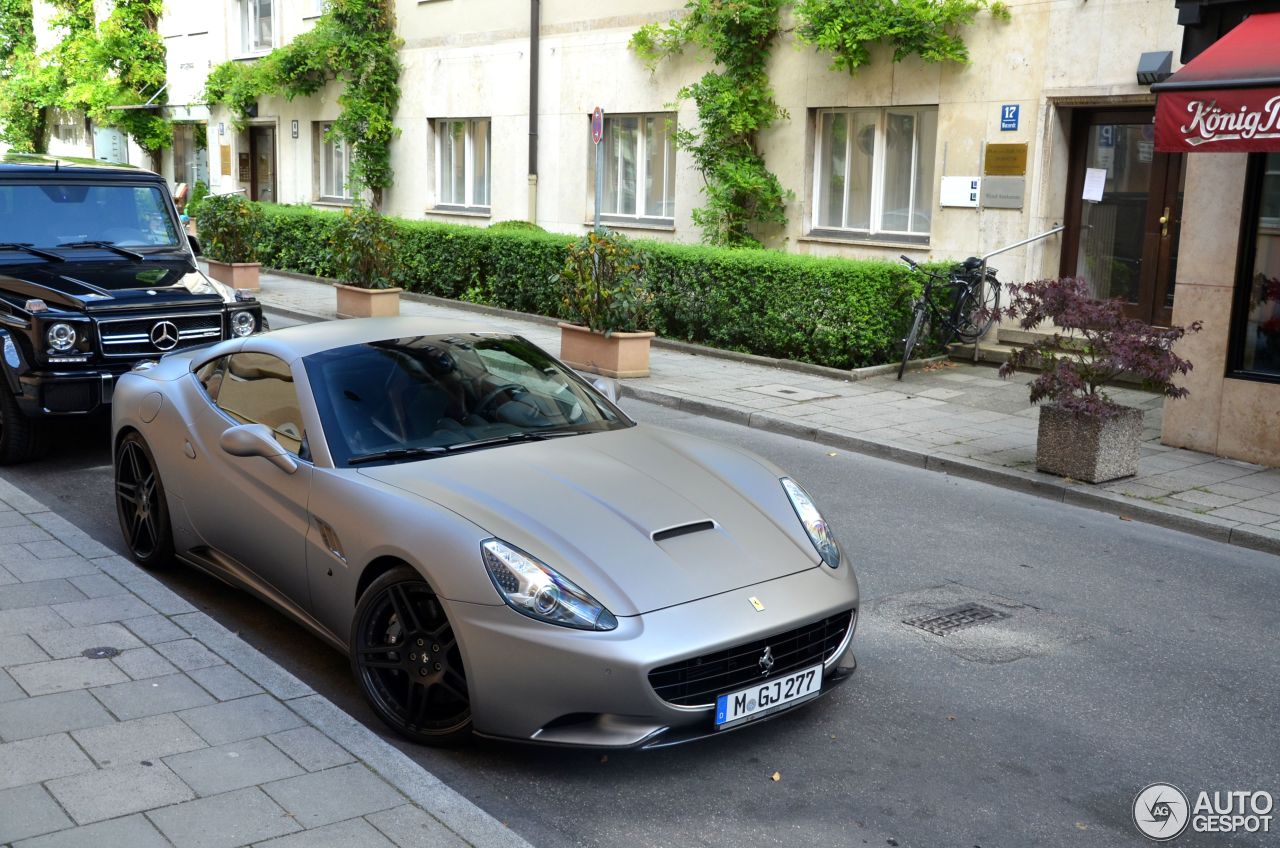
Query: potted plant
{"x": 607, "y": 307}
{"x": 229, "y": 226}
{"x": 363, "y": 256}
{"x": 1083, "y": 434}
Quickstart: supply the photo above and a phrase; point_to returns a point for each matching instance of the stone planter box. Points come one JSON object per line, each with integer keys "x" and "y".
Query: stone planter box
{"x": 355, "y": 302}
{"x": 615, "y": 355}
{"x": 1086, "y": 448}
{"x": 238, "y": 275}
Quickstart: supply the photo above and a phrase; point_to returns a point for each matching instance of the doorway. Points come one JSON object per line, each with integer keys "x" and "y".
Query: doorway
{"x": 1123, "y": 241}
{"x": 262, "y": 163}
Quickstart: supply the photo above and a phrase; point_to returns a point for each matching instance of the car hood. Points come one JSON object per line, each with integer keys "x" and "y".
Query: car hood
{"x": 158, "y": 284}
{"x": 594, "y": 507}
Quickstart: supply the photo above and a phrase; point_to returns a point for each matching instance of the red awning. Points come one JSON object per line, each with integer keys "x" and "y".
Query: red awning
{"x": 1227, "y": 99}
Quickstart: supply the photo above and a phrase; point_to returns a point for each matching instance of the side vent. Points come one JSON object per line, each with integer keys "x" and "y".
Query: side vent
{"x": 330, "y": 539}
{"x": 682, "y": 530}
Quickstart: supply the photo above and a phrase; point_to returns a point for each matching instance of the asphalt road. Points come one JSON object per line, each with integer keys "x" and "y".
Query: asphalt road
{"x": 1130, "y": 655}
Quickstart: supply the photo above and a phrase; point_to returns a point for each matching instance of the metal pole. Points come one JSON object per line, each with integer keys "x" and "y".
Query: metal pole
{"x": 534, "y": 32}
{"x": 599, "y": 180}
{"x": 983, "y": 270}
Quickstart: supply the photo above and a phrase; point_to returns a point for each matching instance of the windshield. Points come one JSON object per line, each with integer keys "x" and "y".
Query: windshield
{"x": 427, "y": 396}
{"x": 61, "y": 213}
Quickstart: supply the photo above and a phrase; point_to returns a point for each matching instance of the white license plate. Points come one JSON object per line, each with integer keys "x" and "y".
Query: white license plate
{"x": 767, "y": 696}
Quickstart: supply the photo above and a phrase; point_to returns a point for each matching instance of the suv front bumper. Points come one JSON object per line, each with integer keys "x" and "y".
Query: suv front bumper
{"x": 68, "y": 392}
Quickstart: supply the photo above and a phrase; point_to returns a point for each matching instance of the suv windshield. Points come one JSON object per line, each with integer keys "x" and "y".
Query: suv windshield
{"x": 58, "y": 213}
{"x": 425, "y": 396}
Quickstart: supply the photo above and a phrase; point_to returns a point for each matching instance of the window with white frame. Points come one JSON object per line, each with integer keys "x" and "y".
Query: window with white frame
{"x": 463, "y": 152}
{"x": 873, "y": 170}
{"x": 257, "y": 25}
{"x": 639, "y": 166}
{"x": 334, "y": 163}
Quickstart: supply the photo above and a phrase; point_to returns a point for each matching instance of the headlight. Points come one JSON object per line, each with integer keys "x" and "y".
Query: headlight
{"x": 61, "y": 337}
{"x": 536, "y": 590}
{"x": 813, "y": 523}
{"x": 243, "y": 324}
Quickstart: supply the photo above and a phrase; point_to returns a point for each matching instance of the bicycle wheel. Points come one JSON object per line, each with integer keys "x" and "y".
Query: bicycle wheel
{"x": 975, "y": 310}
{"x": 917, "y": 330}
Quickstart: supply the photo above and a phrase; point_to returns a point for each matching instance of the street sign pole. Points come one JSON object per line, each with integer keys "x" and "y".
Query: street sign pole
{"x": 597, "y": 134}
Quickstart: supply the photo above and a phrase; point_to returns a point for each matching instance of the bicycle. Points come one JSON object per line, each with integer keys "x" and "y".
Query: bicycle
{"x": 974, "y": 299}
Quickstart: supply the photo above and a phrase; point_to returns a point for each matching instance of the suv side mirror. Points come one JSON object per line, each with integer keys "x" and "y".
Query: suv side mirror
{"x": 256, "y": 440}
{"x": 195, "y": 245}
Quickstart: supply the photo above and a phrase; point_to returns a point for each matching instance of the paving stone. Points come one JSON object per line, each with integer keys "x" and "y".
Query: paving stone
{"x": 224, "y": 682}
{"x": 48, "y": 549}
{"x": 47, "y": 714}
{"x": 28, "y": 811}
{"x": 40, "y": 759}
{"x": 262, "y": 670}
{"x": 153, "y": 696}
{"x": 131, "y": 742}
{"x": 224, "y": 821}
{"x": 6, "y": 577}
{"x": 409, "y": 825}
{"x": 45, "y": 678}
{"x": 143, "y": 663}
{"x": 100, "y": 610}
{"x": 188, "y": 654}
{"x": 32, "y": 569}
{"x": 39, "y": 593}
{"x": 1270, "y": 505}
{"x": 231, "y": 721}
{"x": 118, "y": 791}
{"x": 69, "y": 642}
{"x": 98, "y": 586}
{"x": 11, "y": 518}
{"x": 159, "y": 596}
{"x": 25, "y": 532}
{"x": 333, "y": 795}
{"x": 339, "y": 835}
{"x": 154, "y": 629}
{"x": 212, "y": 771}
{"x": 9, "y": 691}
{"x": 18, "y": 649}
{"x": 129, "y": 832}
{"x": 311, "y": 749}
{"x": 1245, "y": 516}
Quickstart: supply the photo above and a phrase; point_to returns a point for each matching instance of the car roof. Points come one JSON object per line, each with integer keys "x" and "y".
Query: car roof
{"x": 306, "y": 339}
{"x": 34, "y": 164}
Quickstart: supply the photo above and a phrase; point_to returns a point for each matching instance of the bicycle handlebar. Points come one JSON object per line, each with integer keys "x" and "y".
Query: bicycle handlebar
{"x": 907, "y": 260}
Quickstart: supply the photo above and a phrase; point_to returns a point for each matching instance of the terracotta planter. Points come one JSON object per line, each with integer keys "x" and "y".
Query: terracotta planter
{"x": 1086, "y": 448}
{"x": 355, "y": 302}
{"x": 238, "y": 275}
{"x": 615, "y": 355}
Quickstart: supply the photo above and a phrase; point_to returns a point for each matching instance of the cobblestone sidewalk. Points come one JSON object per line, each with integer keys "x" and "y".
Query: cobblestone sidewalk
{"x": 960, "y": 419}
{"x": 128, "y": 719}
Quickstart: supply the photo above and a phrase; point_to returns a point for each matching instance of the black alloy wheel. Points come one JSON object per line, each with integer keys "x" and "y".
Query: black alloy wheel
{"x": 140, "y": 504}
{"x": 407, "y": 661}
{"x": 21, "y": 439}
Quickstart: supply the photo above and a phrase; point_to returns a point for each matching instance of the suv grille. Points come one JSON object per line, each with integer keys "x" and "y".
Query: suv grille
{"x": 134, "y": 336}
{"x": 696, "y": 682}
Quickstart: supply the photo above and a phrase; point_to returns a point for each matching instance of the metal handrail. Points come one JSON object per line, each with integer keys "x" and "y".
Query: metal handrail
{"x": 982, "y": 272}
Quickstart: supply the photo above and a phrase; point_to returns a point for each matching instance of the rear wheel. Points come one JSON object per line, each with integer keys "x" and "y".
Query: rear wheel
{"x": 407, "y": 660}
{"x": 976, "y": 310}
{"x": 140, "y": 504}
{"x": 21, "y": 440}
{"x": 917, "y": 330}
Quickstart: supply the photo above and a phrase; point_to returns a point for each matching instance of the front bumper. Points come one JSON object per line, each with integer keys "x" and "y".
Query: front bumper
{"x": 538, "y": 683}
{"x": 45, "y": 393}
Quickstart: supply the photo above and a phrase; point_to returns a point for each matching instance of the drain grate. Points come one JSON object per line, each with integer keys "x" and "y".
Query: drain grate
{"x": 100, "y": 653}
{"x": 948, "y": 621}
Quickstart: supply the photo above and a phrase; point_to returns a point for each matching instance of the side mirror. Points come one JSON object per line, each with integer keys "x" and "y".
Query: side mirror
{"x": 195, "y": 245}
{"x": 256, "y": 440}
{"x": 605, "y": 386}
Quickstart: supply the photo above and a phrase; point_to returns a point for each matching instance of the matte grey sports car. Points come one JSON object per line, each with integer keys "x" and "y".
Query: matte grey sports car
{"x": 496, "y": 545}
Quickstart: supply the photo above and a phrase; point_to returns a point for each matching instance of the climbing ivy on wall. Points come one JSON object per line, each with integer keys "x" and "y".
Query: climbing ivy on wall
{"x": 354, "y": 42}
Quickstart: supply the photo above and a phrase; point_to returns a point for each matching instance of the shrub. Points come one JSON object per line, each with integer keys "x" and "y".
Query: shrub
{"x": 516, "y": 225}
{"x": 199, "y": 192}
{"x": 364, "y": 248}
{"x": 601, "y": 284}
{"x": 229, "y": 227}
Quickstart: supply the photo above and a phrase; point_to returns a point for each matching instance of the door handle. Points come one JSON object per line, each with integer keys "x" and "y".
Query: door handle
{"x": 1164, "y": 223}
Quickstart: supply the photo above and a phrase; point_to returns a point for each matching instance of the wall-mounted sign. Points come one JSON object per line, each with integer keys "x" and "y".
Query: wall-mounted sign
{"x": 1005, "y": 160}
{"x": 1004, "y": 192}
{"x": 224, "y": 157}
{"x": 244, "y": 167}
{"x": 222, "y": 128}
{"x": 1009, "y": 117}
{"x": 597, "y": 125}
{"x": 294, "y": 129}
{"x": 960, "y": 191}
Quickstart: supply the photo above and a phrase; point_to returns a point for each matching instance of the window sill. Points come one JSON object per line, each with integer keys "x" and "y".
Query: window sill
{"x": 335, "y": 202}
{"x": 837, "y": 237}
{"x": 250, "y": 56}
{"x": 461, "y": 211}
{"x": 659, "y": 224}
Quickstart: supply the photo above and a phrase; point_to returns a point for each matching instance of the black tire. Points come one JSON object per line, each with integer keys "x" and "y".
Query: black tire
{"x": 917, "y": 326}
{"x": 974, "y": 313}
{"x": 21, "y": 439}
{"x": 407, "y": 662}
{"x": 141, "y": 505}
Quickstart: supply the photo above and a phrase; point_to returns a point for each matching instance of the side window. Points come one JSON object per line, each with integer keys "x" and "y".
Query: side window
{"x": 210, "y": 376}
{"x": 257, "y": 388}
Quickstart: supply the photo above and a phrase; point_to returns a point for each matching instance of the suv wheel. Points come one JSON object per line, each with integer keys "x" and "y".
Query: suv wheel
{"x": 20, "y": 437}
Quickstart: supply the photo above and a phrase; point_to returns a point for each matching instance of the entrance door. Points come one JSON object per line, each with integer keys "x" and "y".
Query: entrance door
{"x": 262, "y": 168}
{"x": 1125, "y": 244}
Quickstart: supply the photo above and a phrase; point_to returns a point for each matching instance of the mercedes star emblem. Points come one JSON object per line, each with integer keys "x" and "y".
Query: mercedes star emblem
{"x": 766, "y": 661}
{"x": 164, "y": 335}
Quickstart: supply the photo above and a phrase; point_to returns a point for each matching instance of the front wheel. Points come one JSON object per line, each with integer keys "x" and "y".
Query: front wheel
{"x": 976, "y": 311}
{"x": 917, "y": 326}
{"x": 141, "y": 505}
{"x": 407, "y": 660}
{"x": 21, "y": 440}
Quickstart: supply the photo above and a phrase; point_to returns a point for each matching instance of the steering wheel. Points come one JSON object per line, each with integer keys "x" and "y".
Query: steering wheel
{"x": 492, "y": 395}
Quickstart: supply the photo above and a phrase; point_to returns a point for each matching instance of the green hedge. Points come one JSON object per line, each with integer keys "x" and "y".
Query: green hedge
{"x": 839, "y": 312}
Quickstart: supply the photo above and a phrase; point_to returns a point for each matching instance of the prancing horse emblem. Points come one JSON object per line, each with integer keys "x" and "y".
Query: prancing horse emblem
{"x": 766, "y": 661}
{"x": 164, "y": 335}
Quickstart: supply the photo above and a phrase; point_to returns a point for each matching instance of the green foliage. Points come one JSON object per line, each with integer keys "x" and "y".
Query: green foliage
{"x": 17, "y": 30}
{"x": 528, "y": 226}
{"x": 838, "y": 312}
{"x": 353, "y": 42}
{"x": 846, "y": 29}
{"x": 230, "y": 228}
{"x": 199, "y": 192}
{"x": 735, "y": 104}
{"x": 364, "y": 248}
{"x": 602, "y": 284}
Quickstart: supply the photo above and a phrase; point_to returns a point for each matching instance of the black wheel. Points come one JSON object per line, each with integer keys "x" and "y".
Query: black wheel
{"x": 21, "y": 440}
{"x": 917, "y": 328}
{"x": 407, "y": 661}
{"x": 975, "y": 312}
{"x": 140, "y": 504}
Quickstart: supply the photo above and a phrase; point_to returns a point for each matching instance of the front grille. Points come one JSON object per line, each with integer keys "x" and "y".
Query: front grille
{"x": 696, "y": 682}
{"x": 132, "y": 336}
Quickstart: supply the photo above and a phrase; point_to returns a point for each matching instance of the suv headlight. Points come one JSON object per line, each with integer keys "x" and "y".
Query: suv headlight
{"x": 534, "y": 589}
{"x": 243, "y": 324}
{"x": 60, "y": 337}
{"x": 814, "y": 525}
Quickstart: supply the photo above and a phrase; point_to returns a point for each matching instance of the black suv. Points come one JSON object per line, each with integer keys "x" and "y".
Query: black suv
{"x": 96, "y": 274}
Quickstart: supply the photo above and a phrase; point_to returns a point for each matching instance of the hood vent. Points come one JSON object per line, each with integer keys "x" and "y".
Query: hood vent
{"x": 682, "y": 530}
